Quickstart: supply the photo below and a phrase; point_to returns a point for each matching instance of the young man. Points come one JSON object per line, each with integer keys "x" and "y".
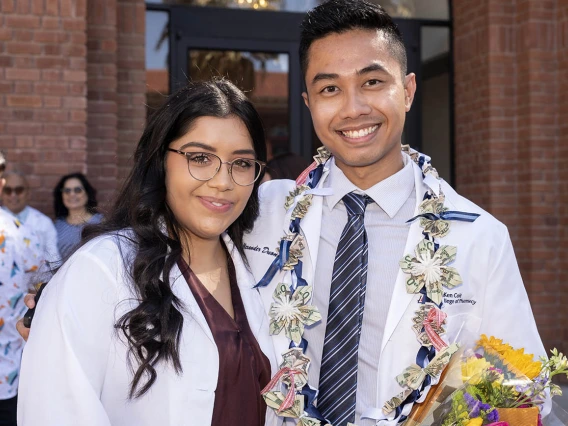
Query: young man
{"x": 358, "y": 92}
{"x": 15, "y": 198}
{"x": 18, "y": 256}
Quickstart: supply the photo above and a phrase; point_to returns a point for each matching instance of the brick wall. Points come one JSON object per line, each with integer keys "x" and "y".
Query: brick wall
{"x": 72, "y": 90}
{"x": 562, "y": 93}
{"x": 102, "y": 97}
{"x": 510, "y": 157}
{"x": 131, "y": 79}
{"x": 43, "y": 90}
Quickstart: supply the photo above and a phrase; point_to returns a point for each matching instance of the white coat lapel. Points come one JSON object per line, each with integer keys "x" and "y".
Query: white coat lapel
{"x": 400, "y": 298}
{"x": 257, "y": 316}
{"x": 181, "y": 289}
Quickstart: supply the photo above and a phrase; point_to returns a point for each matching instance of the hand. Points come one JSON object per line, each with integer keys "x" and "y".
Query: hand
{"x": 30, "y": 303}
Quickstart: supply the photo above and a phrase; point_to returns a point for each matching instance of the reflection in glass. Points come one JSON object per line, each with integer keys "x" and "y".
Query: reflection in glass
{"x": 157, "y": 51}
{"x": 420, "y": 9}
{"x": 241, "y": 4}
{"x": 262, "y": 76}
{"x": 417, "y": 9}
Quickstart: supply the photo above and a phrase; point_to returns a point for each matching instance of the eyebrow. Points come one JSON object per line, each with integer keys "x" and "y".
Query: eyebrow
{"x": 324, "y": 76}
{"x": 213, "y": 149}
{"x": 332, "y": 76}
{"x": 372, "y": 68}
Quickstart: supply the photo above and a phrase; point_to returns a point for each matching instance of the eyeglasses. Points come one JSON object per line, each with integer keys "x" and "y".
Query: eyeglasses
{"x": 18, "y": 190}
{"x": 76, "y": 190}
{"x": 204, "y": 166}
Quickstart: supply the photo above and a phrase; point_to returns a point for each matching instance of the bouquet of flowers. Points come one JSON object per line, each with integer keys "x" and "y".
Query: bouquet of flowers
{"x": 492, "y": 384}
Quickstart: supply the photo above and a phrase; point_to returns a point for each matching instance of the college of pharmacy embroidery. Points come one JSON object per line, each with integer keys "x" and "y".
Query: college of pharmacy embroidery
{"x": 428, "y": 273}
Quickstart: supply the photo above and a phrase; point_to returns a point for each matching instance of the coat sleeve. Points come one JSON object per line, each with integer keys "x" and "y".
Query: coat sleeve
{"x": 65, "y": 360}
{"x": 507, "y": 311}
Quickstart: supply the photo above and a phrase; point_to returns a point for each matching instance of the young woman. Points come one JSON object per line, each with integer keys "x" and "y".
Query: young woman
{"x": 154, "y": 320}
{"x": 75, "y": 205}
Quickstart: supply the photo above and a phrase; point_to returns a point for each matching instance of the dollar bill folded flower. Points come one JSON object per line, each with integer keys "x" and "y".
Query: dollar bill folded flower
{"x": 429, "y": 268}
{"x": 291, "y": 313}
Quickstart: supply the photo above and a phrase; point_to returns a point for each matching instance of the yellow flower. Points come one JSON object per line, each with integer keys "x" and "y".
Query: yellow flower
{"x": 493, "y": 344}
{"x": 472, "y": 369}
{"x": 521, "y": 363}
{"x": 478, "y": 421}
{"x": 516, "y": 361}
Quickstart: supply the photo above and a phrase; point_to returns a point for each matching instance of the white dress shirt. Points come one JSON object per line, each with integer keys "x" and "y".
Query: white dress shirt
{"x": 385, "y": 222}
{"x": 43, "y": 226}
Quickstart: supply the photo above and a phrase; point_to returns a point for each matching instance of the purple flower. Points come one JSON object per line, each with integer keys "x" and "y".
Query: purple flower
{"x": 469, "y": 399}
{"x": 493, "y": 416}
{"x": 496, "y": 370}
{"x": 473, "y": 404}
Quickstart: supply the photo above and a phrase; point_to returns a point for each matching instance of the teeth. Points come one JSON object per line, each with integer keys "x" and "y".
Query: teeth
{"x": 216, "y": 204}
{"x": 354, "y": 134}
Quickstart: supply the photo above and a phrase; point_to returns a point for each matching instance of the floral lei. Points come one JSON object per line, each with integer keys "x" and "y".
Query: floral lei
{"x": 428, "y": 273}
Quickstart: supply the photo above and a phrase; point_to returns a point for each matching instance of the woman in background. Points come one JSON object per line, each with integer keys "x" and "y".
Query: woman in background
{"x": 75, "y": 202}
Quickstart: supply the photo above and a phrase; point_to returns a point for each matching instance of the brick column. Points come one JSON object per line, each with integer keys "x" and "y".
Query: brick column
{"x": 508, "y": 68}
{"x": 102, "y": 98}
{"x": 131, "y": 79}
{"x": 562, "y": 92}
{"x": 42, "y": 91}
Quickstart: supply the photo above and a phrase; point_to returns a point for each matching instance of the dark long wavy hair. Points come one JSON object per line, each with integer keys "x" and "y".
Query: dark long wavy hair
{"x": 58, "y": 206}
{"x": 153, "y": 328}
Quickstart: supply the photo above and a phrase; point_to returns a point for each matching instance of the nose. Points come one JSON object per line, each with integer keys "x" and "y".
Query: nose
{"x": 222, "y": 180}
{"x": 355, "y": 105}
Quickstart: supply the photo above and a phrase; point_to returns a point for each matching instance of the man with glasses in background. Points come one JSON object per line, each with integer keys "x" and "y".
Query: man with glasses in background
{"x": 15, "y": 198}
{"x": 19, "y": 256}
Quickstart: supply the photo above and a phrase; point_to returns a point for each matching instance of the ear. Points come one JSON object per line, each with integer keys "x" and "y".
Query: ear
{"x": 409, "y": 90}
{"x": 306, "y": 99}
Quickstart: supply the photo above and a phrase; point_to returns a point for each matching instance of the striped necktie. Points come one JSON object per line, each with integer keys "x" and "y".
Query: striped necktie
{"x": 338, "y": 373}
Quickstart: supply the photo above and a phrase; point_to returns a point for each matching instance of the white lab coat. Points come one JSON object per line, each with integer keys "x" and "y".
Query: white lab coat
{"x": 74, "y": 367}
{"x": 485, "y": 260}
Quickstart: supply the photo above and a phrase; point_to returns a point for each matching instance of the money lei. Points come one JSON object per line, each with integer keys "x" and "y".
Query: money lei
{"x": 428, "y": 274}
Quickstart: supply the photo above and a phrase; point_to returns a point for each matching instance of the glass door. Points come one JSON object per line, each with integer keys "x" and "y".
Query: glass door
{"x": 258, "y": 51}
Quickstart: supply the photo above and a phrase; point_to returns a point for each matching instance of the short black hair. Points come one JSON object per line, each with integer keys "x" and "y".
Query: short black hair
{"x": 2, "y": 162}
{"x": 340, "y": 16}
{"x": 60, "y": 210}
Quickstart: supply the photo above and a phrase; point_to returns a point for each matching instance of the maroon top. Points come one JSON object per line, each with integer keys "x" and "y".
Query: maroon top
{"x": 243, "y": 369}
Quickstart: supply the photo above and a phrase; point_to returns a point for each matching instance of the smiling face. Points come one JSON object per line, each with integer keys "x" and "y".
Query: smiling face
{"x": 205, "y": 209}
{"x": 74, "y": 195}
{"x": 358, "y": 100}
{"x": 18, "y": 196}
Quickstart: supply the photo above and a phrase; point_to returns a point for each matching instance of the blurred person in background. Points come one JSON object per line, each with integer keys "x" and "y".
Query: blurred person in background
{"x": 285, "y": 166}
{"x": 75, "y": 202}
{"x": 19, "y": 255}
{"x": 15, "y": 199}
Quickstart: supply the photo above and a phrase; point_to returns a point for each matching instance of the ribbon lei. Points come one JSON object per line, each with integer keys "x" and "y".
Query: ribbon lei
{"x": 435, "y": 317}
{"x": 447, "y": 215}
{"x": 291, "y": 395}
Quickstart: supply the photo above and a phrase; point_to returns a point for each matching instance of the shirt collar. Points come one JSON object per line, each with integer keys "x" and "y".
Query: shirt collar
{"x": 389, "y": 194}
{"x": 22, "y": 216}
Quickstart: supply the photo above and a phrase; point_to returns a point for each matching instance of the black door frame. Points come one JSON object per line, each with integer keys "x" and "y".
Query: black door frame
{"x": 192, "y": 27}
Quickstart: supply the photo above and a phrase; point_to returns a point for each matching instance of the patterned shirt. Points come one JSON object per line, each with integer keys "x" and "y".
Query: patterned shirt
{"x": 69, "y": 236}
{"x": 20, "y": 255}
